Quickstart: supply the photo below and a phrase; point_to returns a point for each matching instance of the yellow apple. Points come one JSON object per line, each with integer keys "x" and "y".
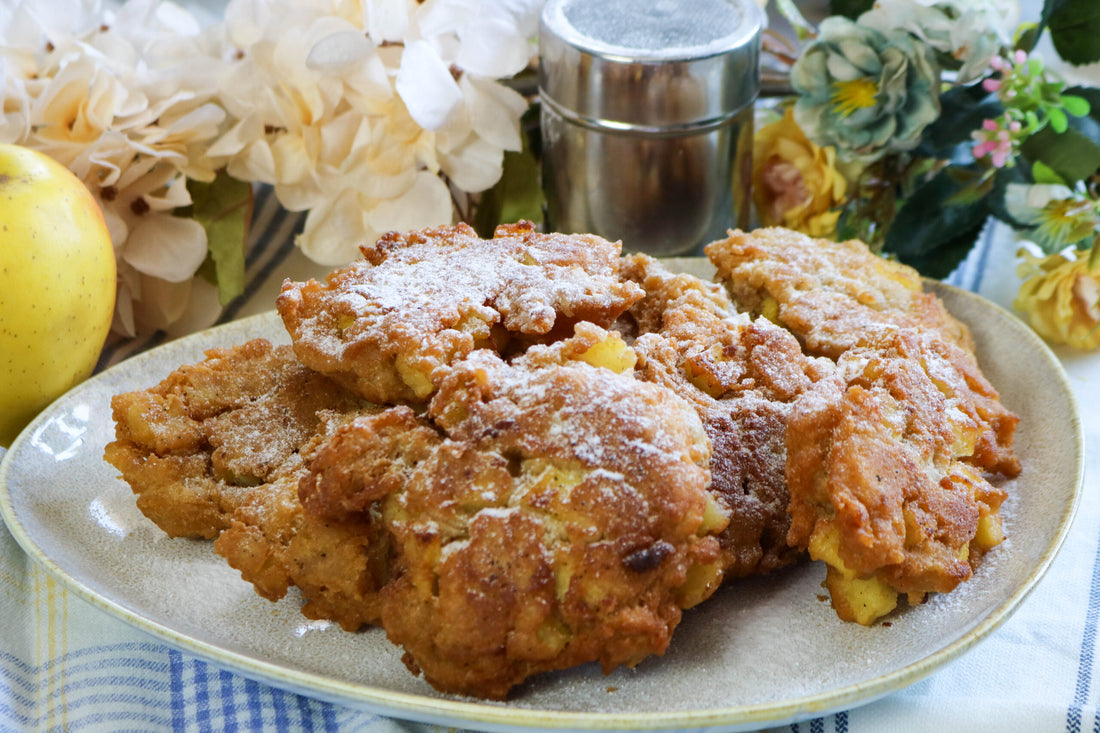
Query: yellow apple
{"x": 57, "y": 284}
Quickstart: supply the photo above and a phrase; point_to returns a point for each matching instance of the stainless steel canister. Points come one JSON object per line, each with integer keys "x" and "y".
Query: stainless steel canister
{"x": 647, "y": 118}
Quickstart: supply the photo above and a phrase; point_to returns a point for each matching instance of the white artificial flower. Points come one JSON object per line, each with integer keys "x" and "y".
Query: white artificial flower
{"x": 426, "y": 86}
{"x": 363, "y": 112}
{"x": 969, "y": 31}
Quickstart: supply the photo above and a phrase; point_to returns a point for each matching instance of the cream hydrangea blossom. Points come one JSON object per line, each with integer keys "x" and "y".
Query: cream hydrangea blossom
{"x": 122, "y": 97}
{"x": 361, "y": 112}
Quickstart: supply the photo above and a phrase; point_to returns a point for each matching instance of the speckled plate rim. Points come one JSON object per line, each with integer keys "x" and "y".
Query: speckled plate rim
{"x": 500, "y": 717}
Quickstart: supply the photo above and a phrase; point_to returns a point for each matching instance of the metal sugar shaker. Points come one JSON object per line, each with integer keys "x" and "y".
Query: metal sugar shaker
{"x": 647, "y": 118}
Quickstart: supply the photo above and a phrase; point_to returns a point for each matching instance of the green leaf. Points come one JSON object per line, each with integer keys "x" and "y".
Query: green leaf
{"x": 971, "y": 184}
{"x": 850, "y": 8}
{"x": 1058, "y": 120}
{"x": 224, "y": 209}
{"x": 1088, "y": 123}
{"x": 1051, "y": 8}
{"x": 1074, "y": 29}
{"x": 943, "y": 261}
{"x": 1070, "y": 154}
{"x": 932, "y": 235}
{"x": 1043, "y": 173}
{"x": 1076, "y": 106}
{"x": 1027, "y": 35}
{"x": 1094, "y": 254}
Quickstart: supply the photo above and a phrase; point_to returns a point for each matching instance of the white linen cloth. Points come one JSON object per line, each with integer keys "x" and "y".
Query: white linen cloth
{"x": 68, "y": 666}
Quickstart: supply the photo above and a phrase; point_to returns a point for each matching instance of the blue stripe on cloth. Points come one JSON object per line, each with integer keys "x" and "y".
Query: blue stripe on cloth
{"x": 179, "y": 709}
{"x": 16, "y": 671}
{"x": 144, "y": 720}
{"x": 328, "y": 715}
{"x": 93, "y": 686}
{"x": 255, "y": 706}
{"x": 266, "y": 208}
{"x": 1088, "y": 651}
{"x": 103, "y": 714}
{"x": 842, "y": 722}
{"x": 278, "y": 704}
{"x": 968, "y": 274}
{"x": 305, "y": 715}
{"x": 119, "y": 691}
{"x": 202, "y": 695}
{"x": 227, "y": 702}
{"x": 817, "y": 725}
{"x": 125, "y": 348}
{"x": 10, "y": 718}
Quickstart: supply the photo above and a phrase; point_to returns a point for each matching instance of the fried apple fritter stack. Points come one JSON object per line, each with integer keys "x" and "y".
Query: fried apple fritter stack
{"x": 457, "y": 449}
{"x": 888, "y": 459}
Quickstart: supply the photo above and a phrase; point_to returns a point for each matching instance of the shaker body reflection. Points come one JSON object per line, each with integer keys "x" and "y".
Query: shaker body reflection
{"x": 665, "y": 195}
{"x": 647, "y": 118}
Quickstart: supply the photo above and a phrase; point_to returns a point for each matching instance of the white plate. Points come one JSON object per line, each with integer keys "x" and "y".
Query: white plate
{"x": 765, "y": 651}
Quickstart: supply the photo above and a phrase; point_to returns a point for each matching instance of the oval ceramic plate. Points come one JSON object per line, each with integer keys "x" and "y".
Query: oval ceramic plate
{"x": 764, "y": 651}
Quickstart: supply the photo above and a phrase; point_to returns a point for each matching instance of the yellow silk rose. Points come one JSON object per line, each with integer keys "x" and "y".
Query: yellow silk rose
{"x": 1061, "y": 298}
{"x": 795, "y": 182}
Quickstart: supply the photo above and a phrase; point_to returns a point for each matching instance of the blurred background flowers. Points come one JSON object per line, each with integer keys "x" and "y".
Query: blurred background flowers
{"x": 906, "y": 123}
{"x": 368, "y": 115}
{"x": 940, "y": 115}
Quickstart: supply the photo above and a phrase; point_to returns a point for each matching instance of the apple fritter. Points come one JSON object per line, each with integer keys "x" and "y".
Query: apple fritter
{"x": 340, "y": 564}
{"x": 742, "y": 377}
{"x": 417, "y": 301}
{"x": 193, "y": 446}
{"x": 827, "y": 293}
{"x": 882, "y": 482}
{"x": 663, "y": 290}
{"x": 887, "y": 463}
{"x": 838, "y": 296}
{"x": 561, "y": 517}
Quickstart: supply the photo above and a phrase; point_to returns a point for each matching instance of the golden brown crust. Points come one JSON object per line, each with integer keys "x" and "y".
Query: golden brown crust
{"x": 338, "y": 564}
{"x": 825, "y": 292}
{"x": 193, "y": 445}
{"x": 885, "y": 459}
{"x": 420, "y": 300}
{"x": 835, "y": 297}
{"x": 880, "y": 468}
{"x": 557, "y": 519}
{"x": 665, "y": 289}
{"x": 741, "y": 376}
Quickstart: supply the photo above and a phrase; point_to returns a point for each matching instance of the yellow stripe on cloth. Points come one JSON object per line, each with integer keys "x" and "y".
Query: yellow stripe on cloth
{"x": 51, "y": 617}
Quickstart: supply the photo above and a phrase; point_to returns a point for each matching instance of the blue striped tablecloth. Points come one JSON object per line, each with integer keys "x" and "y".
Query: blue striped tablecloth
{"x": 68, "y": 666}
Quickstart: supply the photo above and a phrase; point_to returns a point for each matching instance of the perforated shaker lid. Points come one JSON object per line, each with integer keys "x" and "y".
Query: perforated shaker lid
{"x": 649, "y": 64}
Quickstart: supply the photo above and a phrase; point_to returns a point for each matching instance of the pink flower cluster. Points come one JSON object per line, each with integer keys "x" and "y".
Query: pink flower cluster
{"x": 998, "y": 140}
{"x": 1006, "y": 67}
